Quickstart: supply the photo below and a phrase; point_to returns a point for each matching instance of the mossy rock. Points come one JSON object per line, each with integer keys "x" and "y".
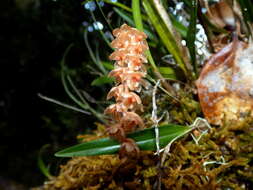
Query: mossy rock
{"x": 222, "y": 159}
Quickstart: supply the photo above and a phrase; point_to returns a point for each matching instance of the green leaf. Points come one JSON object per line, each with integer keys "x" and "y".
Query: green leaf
{"x": 178, "y": 26}
{"x": 67, "y": 82}
{"x": 164, "y": 33}
{"x": 42, "y": 166}
{"x": 108, "y": 65}
{"x": 137, "y": 14}
{"x": 118, "y": 5}
{"x": 145, "y": 140}
{"x": 92, "y": 55}
{"x": 191, "y": 34}
{"x": 138, "y": 23}
{"x": 113, "y": 3}
{"x": 102, "y": 81}
{"x": 167, "y": 72}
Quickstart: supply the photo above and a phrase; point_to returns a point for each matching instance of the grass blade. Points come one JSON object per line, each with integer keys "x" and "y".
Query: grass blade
{"x": 120, "y": 5}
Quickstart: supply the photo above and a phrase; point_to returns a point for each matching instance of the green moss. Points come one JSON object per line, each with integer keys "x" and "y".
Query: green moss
{"x": 221, "y": 160}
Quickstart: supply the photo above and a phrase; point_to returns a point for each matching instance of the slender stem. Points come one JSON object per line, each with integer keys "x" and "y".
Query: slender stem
{"x": 83, "y": 104}
{"x": 102, "y": 12}
{"x": 100, "y": 31}
{"x": 62, "y": 104}
{"x": 94, "y": 112}
{"x": 99, "y": 65}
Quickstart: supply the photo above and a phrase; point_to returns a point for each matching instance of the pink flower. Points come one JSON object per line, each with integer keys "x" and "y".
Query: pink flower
{"x": 129, "y": 55}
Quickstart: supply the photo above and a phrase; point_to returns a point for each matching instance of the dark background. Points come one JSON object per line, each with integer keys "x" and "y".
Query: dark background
{"x": 34, "y": 35}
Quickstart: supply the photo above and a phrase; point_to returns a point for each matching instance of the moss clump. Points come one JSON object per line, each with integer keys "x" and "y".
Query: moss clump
{"x": 222, "y": 159}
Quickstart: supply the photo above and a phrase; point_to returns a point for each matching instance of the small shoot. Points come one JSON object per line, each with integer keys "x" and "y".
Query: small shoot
{"x": 41, "y": 164}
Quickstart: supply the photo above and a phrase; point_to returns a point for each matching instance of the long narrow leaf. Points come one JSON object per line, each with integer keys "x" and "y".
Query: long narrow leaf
{"x": 93, "y": 57}
{"x": 83, "y": 104}
{"x": 191, "y": 34}
{"x": 247, "y": 11}
{"x": 120, "y": 5}
{"x": 113, "y": 3}
{"x": 145, "y": 140}
{"x": 63, "y": 79}
{"x": 165, "y": 35}
{"x": 138, "y": 23}
{"x": 137, "y": 14}
{"x": 178, "y": 26}
{"x": 63, "y": 104}
{"x": 42, "y": 166}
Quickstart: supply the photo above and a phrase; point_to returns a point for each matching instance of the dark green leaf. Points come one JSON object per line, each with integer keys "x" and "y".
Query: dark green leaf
{"x": 145, "y": 139}
{"x": 247, "y": 11}
{"x": 191, "y": 34}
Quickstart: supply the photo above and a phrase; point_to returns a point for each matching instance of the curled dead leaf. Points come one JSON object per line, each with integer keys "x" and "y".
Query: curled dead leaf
{"x": 225, "y": 85}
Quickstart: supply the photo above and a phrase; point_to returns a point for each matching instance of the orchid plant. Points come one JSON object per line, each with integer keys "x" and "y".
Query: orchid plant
{"x": 197, "y": 73}
{"x": 131, "y": 51}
